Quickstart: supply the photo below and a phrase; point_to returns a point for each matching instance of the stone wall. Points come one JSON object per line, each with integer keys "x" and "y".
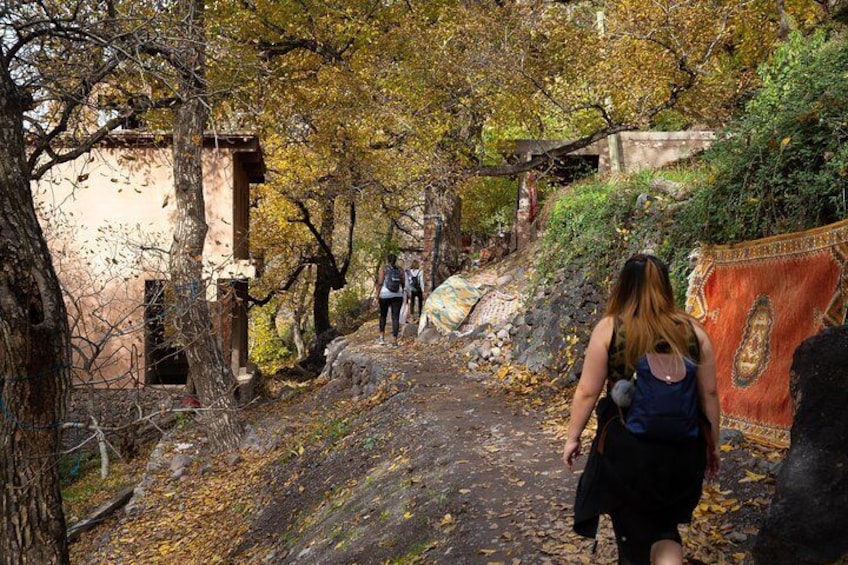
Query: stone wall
{"x": 350, "y": 369}
{"x": 552, "y": 334}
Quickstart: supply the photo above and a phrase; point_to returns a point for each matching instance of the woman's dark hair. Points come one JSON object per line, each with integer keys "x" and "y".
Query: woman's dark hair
{"x": 392, "y": 259}
{"x": 643, "y": 300}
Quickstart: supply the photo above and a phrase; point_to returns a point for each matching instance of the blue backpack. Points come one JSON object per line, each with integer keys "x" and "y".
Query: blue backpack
{"x": 661, "y": 409}
{"x": 657, "y": 408}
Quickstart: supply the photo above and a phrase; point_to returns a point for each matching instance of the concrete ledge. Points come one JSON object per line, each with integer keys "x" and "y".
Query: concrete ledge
{"x": 667, "y": 135}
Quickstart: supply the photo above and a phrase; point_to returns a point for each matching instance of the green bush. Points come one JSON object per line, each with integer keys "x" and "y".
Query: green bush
{"x": 346, "y": 307}
{"x": 595, "y": 226}
{"x": 782, "y": 166}
{"x": 586, "y": 227}
{"x": 267, "y": 348}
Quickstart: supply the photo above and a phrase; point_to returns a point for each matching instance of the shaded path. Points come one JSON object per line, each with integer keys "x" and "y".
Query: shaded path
{"x": 434, "y": 465}
{"x": 445, "y": 470}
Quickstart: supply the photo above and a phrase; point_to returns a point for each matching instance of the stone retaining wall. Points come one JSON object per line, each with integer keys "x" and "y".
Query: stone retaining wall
{"x": 347, "y": 368}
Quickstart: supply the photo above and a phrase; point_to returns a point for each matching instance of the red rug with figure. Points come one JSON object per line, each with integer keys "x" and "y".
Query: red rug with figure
{"x": 758, "y": 301}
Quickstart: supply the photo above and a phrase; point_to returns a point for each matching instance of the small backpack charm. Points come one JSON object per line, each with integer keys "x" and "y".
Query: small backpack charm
{"x": 622, "y": 393}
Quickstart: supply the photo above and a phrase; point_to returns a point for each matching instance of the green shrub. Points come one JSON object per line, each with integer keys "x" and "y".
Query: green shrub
{"x": 595, "y": 226}
{"x": 346, "y": 307}
{"x": 587, "y": 227}
{"x": 782, "y": 166}
{"x": 267, "y": 348}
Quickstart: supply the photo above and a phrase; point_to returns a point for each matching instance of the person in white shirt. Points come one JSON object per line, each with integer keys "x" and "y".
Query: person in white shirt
{"x": 415, "y": 289}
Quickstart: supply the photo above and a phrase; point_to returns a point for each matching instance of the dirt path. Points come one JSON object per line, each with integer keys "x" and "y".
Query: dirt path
{"x": 434, "y": 465}
{"x": 444, "y": 470}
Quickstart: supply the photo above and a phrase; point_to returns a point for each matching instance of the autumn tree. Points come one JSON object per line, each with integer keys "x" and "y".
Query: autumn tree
{"x": 209, "y": 372}
{"x": 600, "y": 68}
{"x": 377, "y": 114}
{"x": 53, "y": 56}
{"x": 364, "y": 128}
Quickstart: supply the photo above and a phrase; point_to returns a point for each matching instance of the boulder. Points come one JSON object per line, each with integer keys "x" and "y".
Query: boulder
{"x": 676, "y": 190}
{"x": 479, "y": 332}
{"x": 429, "y": 336}
{"x": 807, "y": 522}
{"x": 409, "y": 331}
{"x": 180, "y": 462}
{"x": 643, "y": 201}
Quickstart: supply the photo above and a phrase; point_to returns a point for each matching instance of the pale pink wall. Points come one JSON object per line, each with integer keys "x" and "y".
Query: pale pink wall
{"x": 107, "y": 215}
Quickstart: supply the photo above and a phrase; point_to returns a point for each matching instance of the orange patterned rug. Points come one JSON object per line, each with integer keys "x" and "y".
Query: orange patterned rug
{"x": 758, "y": 301}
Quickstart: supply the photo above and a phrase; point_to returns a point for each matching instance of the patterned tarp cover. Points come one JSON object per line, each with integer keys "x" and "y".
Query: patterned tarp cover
{"x": 495, "y": 308}
{"x": 758, "y": 301}
{"x": 449, "y": 304}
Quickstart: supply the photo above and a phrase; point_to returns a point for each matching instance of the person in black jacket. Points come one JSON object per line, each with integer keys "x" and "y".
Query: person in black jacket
{"x": 647, "y": 487}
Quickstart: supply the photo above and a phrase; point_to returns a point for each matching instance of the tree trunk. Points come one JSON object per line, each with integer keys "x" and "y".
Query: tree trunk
{"x": 34, "y": 361}
{"x": 325, "y": 273}
{"x": 784, "y": 27}
{"x": 297, "y": 333}
{"x": 321, "y": 296}
{"x": 210, "y": 373}
{"x": 442, "y": 234}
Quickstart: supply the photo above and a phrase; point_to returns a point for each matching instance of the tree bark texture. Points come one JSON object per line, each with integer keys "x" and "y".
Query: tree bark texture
{"x": 34, "y": 360}
{"x": 325, "y": 271}
{"x": 209, "y": 371}
{"x": 442, "y": 208}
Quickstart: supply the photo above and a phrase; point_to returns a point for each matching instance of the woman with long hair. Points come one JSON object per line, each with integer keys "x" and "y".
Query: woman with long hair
{"x": 647, "y": 486}
{"x": 389, "y": 293}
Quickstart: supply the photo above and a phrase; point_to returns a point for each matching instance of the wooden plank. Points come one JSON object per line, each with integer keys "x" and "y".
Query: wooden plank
{"x": 104, "y": 511}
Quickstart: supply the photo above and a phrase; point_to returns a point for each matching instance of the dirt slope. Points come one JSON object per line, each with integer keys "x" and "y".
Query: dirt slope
{"x": 445, "y": 470}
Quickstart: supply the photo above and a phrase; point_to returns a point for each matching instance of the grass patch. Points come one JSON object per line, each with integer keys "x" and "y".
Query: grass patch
{"x": 83, "y": 493}
{"x": 414, "y": 555}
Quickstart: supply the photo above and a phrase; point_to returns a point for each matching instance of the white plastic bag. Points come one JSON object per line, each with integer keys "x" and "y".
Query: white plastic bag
{"x": 404, "y": 311}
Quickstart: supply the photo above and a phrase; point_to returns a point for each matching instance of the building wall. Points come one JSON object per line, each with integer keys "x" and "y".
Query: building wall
{"x": 655, "y": 149}
{"x": 626, "y": 152}
{"x": 108, "y": 218}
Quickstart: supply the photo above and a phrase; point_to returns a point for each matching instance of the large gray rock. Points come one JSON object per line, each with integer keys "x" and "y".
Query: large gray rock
{"x": 571, "y": 307}
{"x": 429, "y": 336}
{"x": 807, "y": 522}
{"x": 409, "y": 331}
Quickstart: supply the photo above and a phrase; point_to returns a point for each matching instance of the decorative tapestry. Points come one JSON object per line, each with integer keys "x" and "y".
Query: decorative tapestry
{"x": 758, "y": 301}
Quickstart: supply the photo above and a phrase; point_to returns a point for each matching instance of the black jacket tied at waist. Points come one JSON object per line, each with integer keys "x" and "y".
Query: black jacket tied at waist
{"x": 662, "y": 479}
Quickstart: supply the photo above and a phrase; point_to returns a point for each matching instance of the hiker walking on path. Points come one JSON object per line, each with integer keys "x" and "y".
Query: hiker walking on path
{"x": 415, "y": 289}
{"x": 645, "y": 470}
{"x": 389, "y": 292}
